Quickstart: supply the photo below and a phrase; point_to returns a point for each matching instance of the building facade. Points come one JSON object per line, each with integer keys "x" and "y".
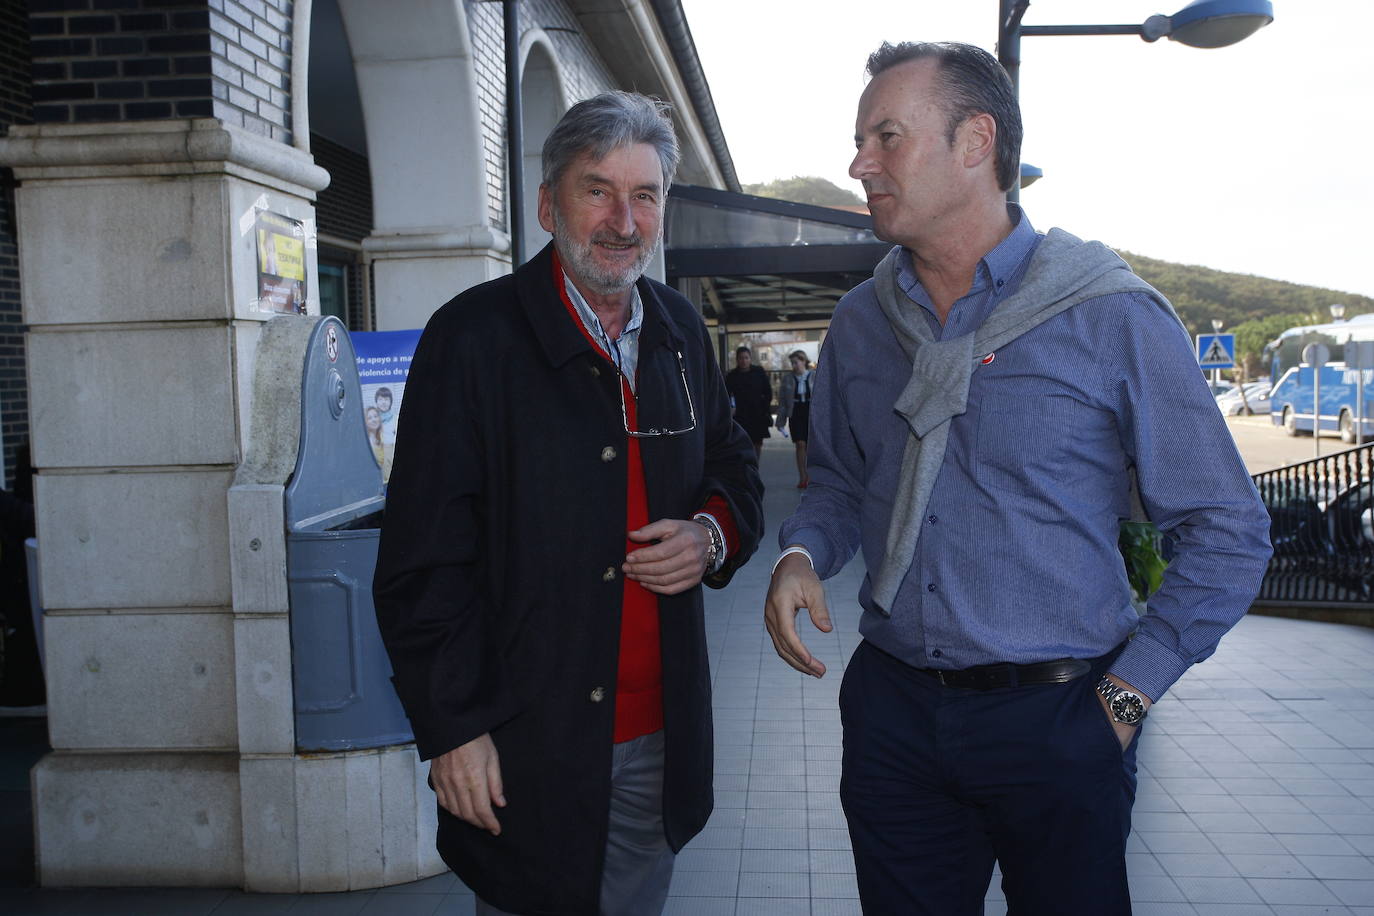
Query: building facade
{"x": 146, "y": 144}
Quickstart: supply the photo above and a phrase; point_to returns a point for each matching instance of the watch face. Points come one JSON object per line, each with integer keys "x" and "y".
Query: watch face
{"x": 1127, "y": 708}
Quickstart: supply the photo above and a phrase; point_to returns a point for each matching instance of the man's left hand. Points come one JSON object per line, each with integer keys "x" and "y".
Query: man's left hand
{"x": 1124, "y": 733}
{"x": 673, "y": 564}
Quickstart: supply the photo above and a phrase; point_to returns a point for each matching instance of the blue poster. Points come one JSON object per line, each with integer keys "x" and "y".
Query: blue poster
{"x": 384, "y": 359}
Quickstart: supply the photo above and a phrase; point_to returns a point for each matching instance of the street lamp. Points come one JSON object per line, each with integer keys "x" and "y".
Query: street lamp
{"x": 1030, "y": 174}
{"x": 1200, "y": 24}
{"x": 1337, "y": 311}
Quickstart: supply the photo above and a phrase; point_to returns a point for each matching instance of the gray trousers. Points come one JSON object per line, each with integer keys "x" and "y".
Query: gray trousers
{"x": 639, "y": 863}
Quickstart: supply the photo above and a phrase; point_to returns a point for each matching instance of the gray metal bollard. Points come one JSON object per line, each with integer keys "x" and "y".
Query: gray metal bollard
{"x": 333, "y": 512}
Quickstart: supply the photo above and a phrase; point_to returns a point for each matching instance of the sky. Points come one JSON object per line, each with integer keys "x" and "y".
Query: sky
{"x": 1256, "y": 158}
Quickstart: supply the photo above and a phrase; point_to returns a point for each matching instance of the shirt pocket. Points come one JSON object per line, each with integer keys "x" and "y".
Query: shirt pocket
{"x": 1029, "y": 446}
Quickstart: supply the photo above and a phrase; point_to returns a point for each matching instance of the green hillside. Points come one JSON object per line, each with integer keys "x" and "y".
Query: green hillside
{"x": 1255, "y": 309}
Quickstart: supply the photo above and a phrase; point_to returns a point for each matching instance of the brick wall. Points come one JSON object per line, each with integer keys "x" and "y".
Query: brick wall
{"x": 345, "y": 207}
{"x": 15, "y": 108}
{"x": 114, "y": 60}
{"x": 579, "y": 66}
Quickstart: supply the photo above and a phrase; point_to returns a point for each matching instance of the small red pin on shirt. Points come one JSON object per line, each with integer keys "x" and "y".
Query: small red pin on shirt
{"x": 989, "y": 358}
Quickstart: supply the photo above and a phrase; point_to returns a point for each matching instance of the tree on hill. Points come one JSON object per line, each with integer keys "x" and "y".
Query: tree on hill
{"x": 806, "y": 189}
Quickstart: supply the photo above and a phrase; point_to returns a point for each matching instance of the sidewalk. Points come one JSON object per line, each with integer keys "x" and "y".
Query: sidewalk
{"x": 1256, "y": 787}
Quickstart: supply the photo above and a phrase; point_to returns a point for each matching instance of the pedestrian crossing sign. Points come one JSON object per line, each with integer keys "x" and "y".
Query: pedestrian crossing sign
{"x": 1216, "y": 351}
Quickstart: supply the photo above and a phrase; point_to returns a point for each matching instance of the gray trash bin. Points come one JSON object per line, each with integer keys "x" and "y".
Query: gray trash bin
{"x": 334, "y": 505}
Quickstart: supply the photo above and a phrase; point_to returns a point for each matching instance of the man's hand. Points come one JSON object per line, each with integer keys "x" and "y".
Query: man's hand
{"x": 795, "y": 586}
{"x": 1124, "y": 733}
{"x": 467, "y": 781}
{"x": 675, "y": 559}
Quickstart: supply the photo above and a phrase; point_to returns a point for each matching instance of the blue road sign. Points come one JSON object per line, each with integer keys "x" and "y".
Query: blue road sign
{"x": 1216, "y": 351}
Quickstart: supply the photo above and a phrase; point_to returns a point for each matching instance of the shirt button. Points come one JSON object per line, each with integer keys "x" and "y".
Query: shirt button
{"x": 933, "y": 519}
{"x": 999, "y": 284}
{"x": 597, "y": 695}
{"x": 609, "y": 575}
{"x": 608, "y": 454}
{"x": 930, "y": 587}
{"x": 937, "y": 654}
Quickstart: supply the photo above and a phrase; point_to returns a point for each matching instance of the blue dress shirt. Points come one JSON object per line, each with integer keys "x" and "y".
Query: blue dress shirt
{"x": 1018, "y": 560}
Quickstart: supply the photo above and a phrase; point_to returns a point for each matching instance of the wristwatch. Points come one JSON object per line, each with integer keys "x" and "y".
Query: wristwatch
{"x": 1127, "y": 707}
{"x": 715, "y": 551}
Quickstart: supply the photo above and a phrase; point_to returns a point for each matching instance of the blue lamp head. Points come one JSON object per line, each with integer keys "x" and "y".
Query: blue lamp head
{"x": 1211, "y": 23}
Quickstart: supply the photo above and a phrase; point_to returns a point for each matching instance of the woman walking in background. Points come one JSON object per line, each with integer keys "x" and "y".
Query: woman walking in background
{"x": 794, "y": 406}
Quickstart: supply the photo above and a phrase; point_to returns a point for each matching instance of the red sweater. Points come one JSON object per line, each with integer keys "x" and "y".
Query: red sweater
{"x": 639, "y": 678}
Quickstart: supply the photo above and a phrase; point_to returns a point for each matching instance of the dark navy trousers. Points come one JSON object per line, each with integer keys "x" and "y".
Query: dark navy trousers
{"x": 940, "y": 783}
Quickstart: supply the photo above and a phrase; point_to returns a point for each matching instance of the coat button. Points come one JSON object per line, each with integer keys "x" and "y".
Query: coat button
{"x": 596, "y": 372}
{"x": 597, "y": 695}
{"x": 608, "y": 454}
{"x": 609, "y": 574}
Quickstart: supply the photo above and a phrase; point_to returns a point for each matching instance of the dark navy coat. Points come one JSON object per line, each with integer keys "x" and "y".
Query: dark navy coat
{"x": 498, "y": 584}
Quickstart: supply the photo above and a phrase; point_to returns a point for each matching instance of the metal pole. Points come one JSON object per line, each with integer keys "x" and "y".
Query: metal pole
{"x": 1351, "y": 346}
{"x": 515, "y": 138}
{"x": 1317, "y": 409}
{"x": 1009, "y": 15}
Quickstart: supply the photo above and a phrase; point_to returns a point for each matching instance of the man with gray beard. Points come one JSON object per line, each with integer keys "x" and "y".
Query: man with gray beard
{"x": 566, "y": 477}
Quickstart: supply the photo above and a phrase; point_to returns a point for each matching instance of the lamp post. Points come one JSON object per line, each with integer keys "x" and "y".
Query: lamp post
{"x": 1200, "y": 24}
{"x": 1217, "y": 325}
{"x": 1337, "y": 311}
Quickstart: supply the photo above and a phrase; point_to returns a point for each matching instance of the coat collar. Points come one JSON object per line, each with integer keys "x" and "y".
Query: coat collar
{"x": 554, "y": 329}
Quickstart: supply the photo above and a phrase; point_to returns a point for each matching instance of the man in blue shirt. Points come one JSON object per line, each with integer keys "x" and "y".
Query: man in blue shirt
{"x": 983, "y": 410}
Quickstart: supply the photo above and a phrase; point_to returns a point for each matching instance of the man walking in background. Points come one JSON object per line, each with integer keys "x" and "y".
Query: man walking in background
{"x": 566, "y": 476}
{"x": 980, "y": 411}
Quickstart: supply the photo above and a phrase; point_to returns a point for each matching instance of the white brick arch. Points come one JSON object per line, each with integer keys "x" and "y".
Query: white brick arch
{"x": 431, "y": 234}
{"x": 543, "y": 99}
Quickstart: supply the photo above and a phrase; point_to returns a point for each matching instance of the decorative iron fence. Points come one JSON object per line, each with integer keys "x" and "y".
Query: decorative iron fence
{"x": 1322, "y": 526}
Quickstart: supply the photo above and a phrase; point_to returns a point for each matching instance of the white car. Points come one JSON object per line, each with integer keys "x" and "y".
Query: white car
{"x": 1256, "y": 400}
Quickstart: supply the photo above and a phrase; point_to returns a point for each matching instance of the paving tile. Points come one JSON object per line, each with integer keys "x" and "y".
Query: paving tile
{"x": 1199, "y": 889}
{"x": 774, "y": 907}
{"x": 1157, "y": 888}
{"x": 699, "y": 906}
{"x": 1195, "y": 864}
{"x": 1276, "y": 891}
{"x": 775, "y": 817}
{"x": 1355, "y": 893}
{"x": 438, "y": 884}
{"x": 1199, "y": 804}
{"x": 704, "y": 883}
{"x": 1247, "y": 843}
{"x": 1193, "y": 841}
{"x": 1232, "y": 909}
{"x": 696, "y": 858}
{"x": 1211, "y": 822}
{"x": 774, "y": 838}
{"x": 774, "y": 885}
{"x": 457, "y": 905}
{"x": 1358, "y": 868}
{"x": 1284, "y": 822}
{"x": 834, "y": 885}
{"x": 402, "y": 905}
{"x": 790, "y": 861}
{"x": 1265, "y": 865}
{"x": 330, "y": 904}
{"x": 842, "y": 907}
{"x": 240, "y": 904}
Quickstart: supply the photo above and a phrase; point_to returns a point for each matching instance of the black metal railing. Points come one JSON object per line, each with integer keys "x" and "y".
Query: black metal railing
{"x": 1322, "y": 526}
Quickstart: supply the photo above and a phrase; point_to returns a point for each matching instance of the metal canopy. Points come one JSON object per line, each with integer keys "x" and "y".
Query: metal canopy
{"x": 762, "y": 260}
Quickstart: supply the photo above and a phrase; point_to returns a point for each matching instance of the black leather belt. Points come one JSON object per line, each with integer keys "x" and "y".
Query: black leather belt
{"x": 989, "y": 677}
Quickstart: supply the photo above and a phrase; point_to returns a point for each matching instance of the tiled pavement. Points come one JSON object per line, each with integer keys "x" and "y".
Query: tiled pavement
{"x": 1256, "y": 782}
